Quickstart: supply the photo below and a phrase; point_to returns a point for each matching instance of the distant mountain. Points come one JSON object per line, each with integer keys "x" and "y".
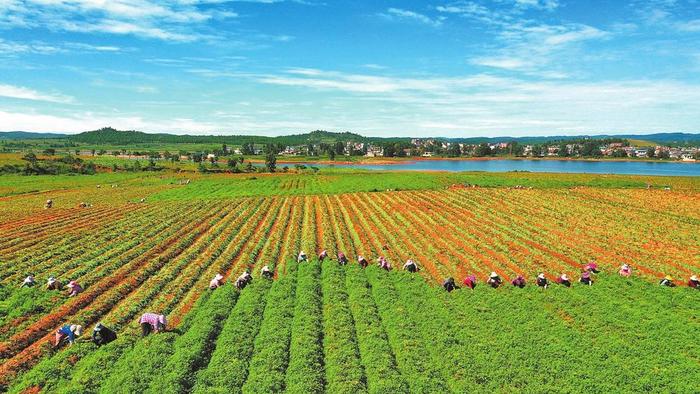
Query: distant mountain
{"x": 25, "y": 135}
{"x": 112, "y": 136}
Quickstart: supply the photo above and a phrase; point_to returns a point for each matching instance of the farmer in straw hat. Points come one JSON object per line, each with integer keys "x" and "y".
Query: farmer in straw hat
{"x": 216, "y": 282}
{"x": 564, "y": 280}
{"x": 694, "y": 282}
{"x": 667, "y": 281}
{"x": 494, "y": 280}
{"x": 542, "y": 281}
{"x": 68, "y": 332}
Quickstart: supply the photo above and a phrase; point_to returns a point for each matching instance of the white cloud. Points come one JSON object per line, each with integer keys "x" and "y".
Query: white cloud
{"x": 407, "y": 15}
{"x": 689, "y": 26}
{"x": 19, "y": 92}
{"x": 170, "y": 20}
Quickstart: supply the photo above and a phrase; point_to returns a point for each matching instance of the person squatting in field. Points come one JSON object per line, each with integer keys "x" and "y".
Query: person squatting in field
{"x": 152, "y": 322}
{"x": 410, "y": 266}
{"x": 67, "y": 332}
{"x": 383, "y": 264}
{"x": 586, "y": 278}
{"x": 53, "y": 284}
{"x": 74, "y": 288}
{"x": 28, "y": 282}
{"x": 362, "y": 261}
{"x": 470, "y": 281}
{"x": 243, "y": 280}
{"x": 564, "y": 280}
{"x": 667, "y": 281}
{"x": 265, "y": 272}
{"x": 494, "y": 280}
{"x": 101, "y": 335}
{"x": 519, "y": 281}
{"x": 542, "y": 281}
{"x": 625, "y": 270}
{"x": 216, "y": 282}
{"x": 449, "y": 284}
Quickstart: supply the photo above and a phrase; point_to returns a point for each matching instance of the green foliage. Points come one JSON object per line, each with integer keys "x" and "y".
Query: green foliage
{"x": 305, "y": 372}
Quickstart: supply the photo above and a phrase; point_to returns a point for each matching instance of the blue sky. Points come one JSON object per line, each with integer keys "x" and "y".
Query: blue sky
{"x": 381, "y": 68}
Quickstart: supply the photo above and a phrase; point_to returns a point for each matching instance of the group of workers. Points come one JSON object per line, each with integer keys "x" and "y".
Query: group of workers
{"x": 54, "y": 284}
{"x": 495, "y": 281}
{"x": 155, "y": 323}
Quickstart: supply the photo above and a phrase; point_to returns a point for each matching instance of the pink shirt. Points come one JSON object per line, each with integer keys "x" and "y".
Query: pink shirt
{"x": 153, "y": 319}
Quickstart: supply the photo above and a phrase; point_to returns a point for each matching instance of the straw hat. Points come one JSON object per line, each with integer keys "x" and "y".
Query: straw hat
{"x": 694, "y": 278}
{"x": 72, "y": 283}
{"x": 77, "y": 329}
{"x": 564, "y": 277}
{"x": 218, "y": 277}
{"x": 493, "y": 275}
{"x": 541, "y": 276}
{"x": 668, "y": 277}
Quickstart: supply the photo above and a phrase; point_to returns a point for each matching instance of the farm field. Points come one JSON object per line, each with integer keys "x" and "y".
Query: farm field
{"x": 319, "y": 326}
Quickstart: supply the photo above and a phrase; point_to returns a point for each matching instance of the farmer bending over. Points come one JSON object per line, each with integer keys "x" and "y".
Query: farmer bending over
{"x": 625, "y": 271}
{"x": 564, "y": 280}
{"x": 410, "y": 266}
{"x": 449, "y": 284}
{"x": 322, "y": 256}
{"x": 586, "y": 278}
{"x": 28, "y": 281}
{"x": 152, "y": 322}
{"x": 694, "y": 282}
{"x": 53, "y": 284}
{"x": 216, "y": 282}
{"x": 494, "y": 280}
{"x": 68, "y": 332}
{"x": 301, "y": 257}
{"x": 542, "y": 281}
{"x": 266, "y": 272}
{"x": 74, "y": 288}
{"x": 470, "y": 281}
{"x": 342, "y": 259}
{"x": 519, "y": 281}
{"x": 362, "y": 261}
{"x": 667, "y": 281}
{"x": 243, "y": 280}
{"x": 102, "y": 335}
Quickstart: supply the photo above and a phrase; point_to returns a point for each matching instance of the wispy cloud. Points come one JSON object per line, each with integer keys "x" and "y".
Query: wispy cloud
{"x": 399, "y": 14}
{"x": 19, "y": 92}
{"x": 170, "y": 20}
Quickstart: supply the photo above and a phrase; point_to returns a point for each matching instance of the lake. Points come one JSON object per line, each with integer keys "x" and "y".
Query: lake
{"x": 570, "y": 166}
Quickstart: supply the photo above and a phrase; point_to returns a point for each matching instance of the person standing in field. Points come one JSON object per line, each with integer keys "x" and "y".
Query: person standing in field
{"x": 101, "y": 335}
{"x": 74, "y": 288}
{"x": 625, "y": 271}
{"x": 216, "y": 282}
{"x": 519, "y": 281}
{"x": 68, "y": 332}
{"x": 542, "y": 281}
{"x": 152, "y": 322}
{"x": 449, "y": 284}
{"x": 470, "y": 281}
{"x": 28, "y": 281}
{"x": 694, "y": 282}
{"x": 410, "y": 266}
{"x": 564, "y": 280}
{"x": 494, "y": 280}
{"x": 342, "y": 259}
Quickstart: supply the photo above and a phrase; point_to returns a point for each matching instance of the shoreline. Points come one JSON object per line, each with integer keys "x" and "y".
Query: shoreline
{"x": 413, "y": 160}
